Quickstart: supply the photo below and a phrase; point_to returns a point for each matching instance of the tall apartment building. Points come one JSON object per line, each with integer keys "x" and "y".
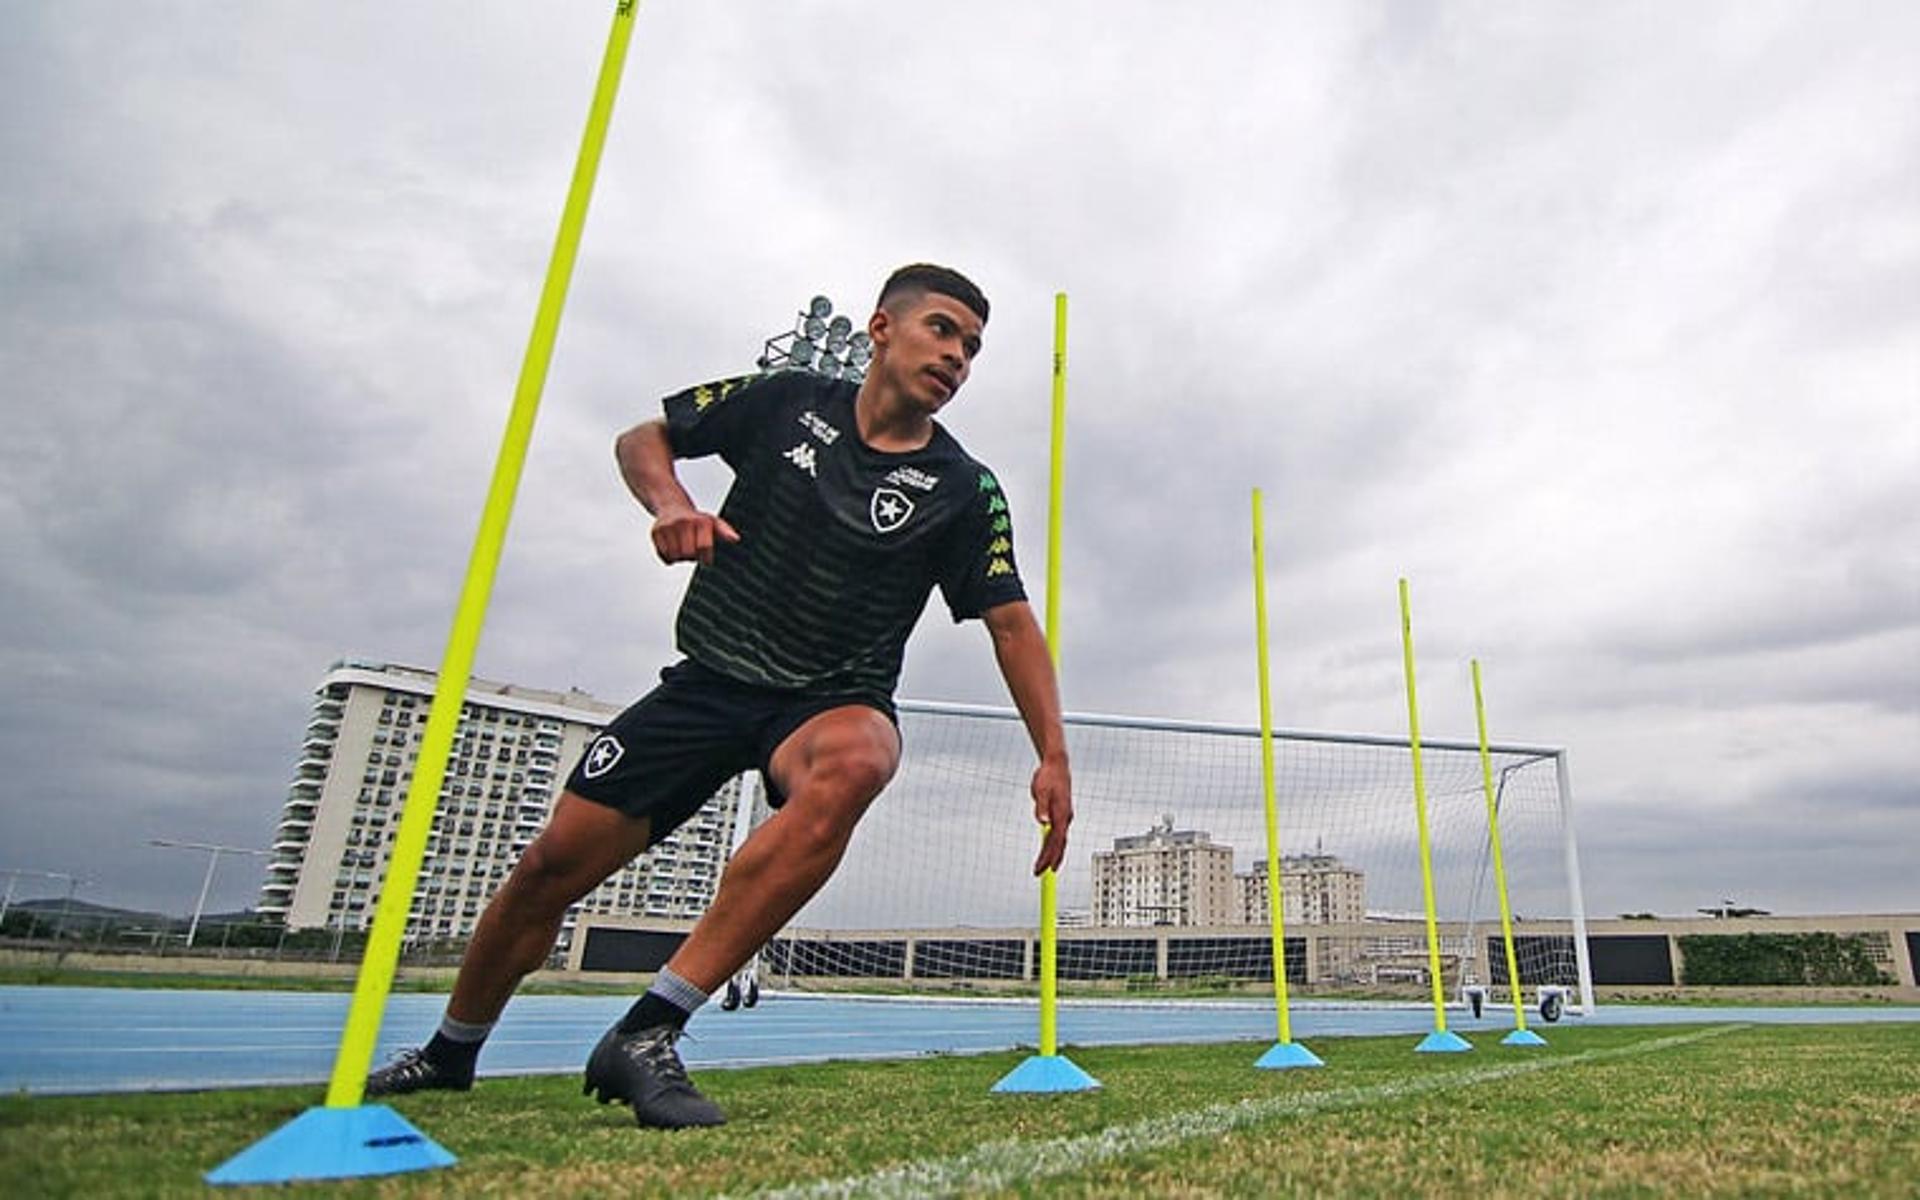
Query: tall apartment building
{"x": 1165, "y": 876}
{"x": 1315, "y": 889}
{"x": 511, "y": 753}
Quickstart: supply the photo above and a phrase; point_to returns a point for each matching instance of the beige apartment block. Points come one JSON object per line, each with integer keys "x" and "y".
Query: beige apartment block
{"x": 1165, "y": 876}
{"x": 511, "y": 754}
{"x": 1315, "y": 889}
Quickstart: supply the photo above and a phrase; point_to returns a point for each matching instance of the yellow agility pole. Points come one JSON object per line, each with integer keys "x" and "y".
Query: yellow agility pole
{"x": 1440, "y": 1040}
{"x": 346, "y": 1138}
{"x": 1286, "y": 1052}
{"x": 1056, "y": 489}
{"x": 1048, "y": 1071}
{"x": 1521, "y": 1035}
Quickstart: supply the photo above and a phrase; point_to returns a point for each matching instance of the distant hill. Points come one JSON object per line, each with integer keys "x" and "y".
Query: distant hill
{"x": 82, "y": 910}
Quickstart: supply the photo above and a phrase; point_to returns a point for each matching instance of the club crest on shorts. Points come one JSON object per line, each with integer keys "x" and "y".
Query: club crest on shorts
{"x": 889, "y": 509}
{"x": 605, "y": 753}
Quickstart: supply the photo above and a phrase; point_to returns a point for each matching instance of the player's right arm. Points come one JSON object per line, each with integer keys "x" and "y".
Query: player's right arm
{"x": 681, "y": 532}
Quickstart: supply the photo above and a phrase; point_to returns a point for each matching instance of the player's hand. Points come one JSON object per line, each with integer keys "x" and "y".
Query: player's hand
{"x": 689, "y": 535}
{"x": 1053, "y": 808}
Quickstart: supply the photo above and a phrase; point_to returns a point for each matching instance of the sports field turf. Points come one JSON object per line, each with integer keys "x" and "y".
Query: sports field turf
{"x": 1716, "y": 1110}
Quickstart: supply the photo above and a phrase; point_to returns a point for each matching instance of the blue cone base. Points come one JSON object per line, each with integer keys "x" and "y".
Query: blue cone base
{"x": 1523, "y": 1037}
{"x": 1288, "y": 1054}
{"x": 334, "y": 1143}
{"x": 1047, "y": 1073}
{"x": 1442, "y": 1041}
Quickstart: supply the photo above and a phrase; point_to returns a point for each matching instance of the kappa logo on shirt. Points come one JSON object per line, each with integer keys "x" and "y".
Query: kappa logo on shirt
{"x": 802, "y": 456}
{"x": 708, "y": 394}
{"x": 889, "y": 509}
{"x": 605, "y": 753}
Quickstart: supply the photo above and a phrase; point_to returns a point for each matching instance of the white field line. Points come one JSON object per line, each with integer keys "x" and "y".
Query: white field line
{"x": 999, "y": 1165}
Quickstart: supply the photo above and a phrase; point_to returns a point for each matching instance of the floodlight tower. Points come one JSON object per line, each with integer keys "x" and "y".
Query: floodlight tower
{"x": 821, "y": 342}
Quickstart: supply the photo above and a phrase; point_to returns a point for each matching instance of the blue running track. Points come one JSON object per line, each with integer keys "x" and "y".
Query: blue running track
{"x": 113, "y": 1039}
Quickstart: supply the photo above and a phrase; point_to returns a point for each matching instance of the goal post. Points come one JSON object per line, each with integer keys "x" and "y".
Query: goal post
{"x": 1164, "y": 889}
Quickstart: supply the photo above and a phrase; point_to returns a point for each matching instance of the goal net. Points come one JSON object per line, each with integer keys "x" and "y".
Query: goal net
{"x": 1165, "y": 885}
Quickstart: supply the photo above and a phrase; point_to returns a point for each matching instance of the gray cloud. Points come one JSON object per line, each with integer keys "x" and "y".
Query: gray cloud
{"x": 1597, "y": 325}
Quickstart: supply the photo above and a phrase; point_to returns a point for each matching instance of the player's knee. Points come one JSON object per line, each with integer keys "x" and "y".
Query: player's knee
{"x": 821, "y": 828}
{"x": 848, "y": 781}
{"x": 831, "y": 802}
{"x": 544, "y": 871}
{"x": 863, "y": 774}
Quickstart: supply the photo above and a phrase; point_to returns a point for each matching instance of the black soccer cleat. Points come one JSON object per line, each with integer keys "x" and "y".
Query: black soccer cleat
{"x": 413, "y": 1071}
{"x": 643, "y": 1069}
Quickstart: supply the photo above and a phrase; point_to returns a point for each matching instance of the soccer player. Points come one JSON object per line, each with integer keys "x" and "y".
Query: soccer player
{"x": 849, "y": 505}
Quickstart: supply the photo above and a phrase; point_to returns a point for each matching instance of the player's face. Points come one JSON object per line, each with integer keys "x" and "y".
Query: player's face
{"x": 927, "y": 347}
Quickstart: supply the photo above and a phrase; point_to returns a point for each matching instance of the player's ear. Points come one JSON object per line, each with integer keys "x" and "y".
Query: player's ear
{"x": 880, "y": 327}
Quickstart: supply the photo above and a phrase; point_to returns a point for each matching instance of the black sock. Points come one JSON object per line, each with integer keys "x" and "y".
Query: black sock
{"x": 653, "y": 1009}
{"x": 448, "y": 1053}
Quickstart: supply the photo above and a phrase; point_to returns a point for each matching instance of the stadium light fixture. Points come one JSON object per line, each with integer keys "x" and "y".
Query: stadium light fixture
{"x": 821, "y": 342}
{"x": 213, "y": 861}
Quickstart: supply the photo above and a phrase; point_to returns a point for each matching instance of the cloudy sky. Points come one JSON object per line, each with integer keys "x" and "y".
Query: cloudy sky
{"x": 1598, "y": 323}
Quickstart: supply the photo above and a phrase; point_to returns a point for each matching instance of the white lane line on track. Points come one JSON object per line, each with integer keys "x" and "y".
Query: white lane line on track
{"x": 999, "y": 1165}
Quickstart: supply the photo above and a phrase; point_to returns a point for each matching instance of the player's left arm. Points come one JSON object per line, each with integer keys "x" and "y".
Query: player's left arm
{"x": 1021, "y": 650}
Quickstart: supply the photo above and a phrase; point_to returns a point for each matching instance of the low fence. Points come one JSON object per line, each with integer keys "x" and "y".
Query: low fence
{"x": 1872, "y": 952}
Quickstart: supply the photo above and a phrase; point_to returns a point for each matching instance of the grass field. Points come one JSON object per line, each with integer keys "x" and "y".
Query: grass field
{"x": 1715, "y": 1110}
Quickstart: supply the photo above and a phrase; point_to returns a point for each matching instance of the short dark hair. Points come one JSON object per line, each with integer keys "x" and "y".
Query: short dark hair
{"x": 917, "y": 279}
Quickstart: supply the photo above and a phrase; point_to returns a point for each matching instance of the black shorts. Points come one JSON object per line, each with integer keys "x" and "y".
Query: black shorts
{"x": 673, "y": 748}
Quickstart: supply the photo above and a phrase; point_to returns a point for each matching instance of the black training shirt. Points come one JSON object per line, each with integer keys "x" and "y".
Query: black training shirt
{"x": 840, "y": 544}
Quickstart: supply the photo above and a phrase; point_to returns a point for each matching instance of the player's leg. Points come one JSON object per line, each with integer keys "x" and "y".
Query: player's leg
{"x": 830, "y": 769}
{"x": 583, "y": 843}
